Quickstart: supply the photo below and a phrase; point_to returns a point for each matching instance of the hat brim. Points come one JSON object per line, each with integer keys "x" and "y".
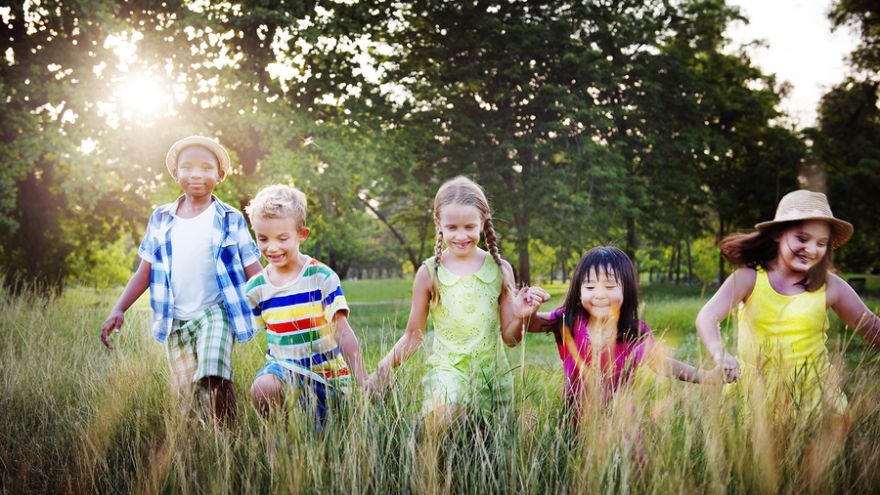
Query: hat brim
{"x": 841, "y": 230}
{"x": 214, "y": 147}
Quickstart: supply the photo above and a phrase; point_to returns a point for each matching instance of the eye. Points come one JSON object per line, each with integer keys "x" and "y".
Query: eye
{"x": 283, "y": 238}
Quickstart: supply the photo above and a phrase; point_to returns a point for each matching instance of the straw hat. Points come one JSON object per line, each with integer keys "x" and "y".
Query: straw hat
{"x": 213, "y": 146}
{"x": 808, "y": 205}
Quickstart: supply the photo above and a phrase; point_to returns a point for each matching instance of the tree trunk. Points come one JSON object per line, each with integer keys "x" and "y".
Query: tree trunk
{"x": 721, "y": 273}
{"x": 690, "y": 260}
{"x": 409, "y": 252}
{"x": 631, "y": 245}
{"x": 678, "y": 262}
{"x": 521, "y": 224}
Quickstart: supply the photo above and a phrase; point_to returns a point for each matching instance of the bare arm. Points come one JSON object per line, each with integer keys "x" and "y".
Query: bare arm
{"x": 660, "y": 360}
{"x": 541, "y": 323}
{"x": 735, "y": 289}
{"x": 517, "y": 309}
{"x": 673, "y": 368}
{"x": 349, "y": 347}
{"x": 252, "y": 269}
{"x": 137, "y": 284}
{"x": 852, "y": 310}
{"x": 414, "y": 334}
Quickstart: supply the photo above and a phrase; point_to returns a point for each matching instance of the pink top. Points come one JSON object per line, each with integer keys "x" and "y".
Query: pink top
{"x": 617, "y": 364}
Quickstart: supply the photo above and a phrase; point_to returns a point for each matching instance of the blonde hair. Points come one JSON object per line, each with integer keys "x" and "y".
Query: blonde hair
{"x": 278, "y": 201}
{"x": 463, "y": 191}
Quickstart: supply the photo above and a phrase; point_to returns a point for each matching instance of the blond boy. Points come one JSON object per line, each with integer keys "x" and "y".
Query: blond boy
{"x": 312, "y": 350}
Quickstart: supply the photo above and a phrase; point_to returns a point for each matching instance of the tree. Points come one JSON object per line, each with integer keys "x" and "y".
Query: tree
{"x": 845, "y": 140}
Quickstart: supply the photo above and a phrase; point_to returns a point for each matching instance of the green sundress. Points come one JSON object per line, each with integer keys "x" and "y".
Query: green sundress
{"x": 468, "y": 365}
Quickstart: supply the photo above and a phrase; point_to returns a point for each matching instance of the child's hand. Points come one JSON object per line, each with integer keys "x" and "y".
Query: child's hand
{"x": 375, "y": 386}
{"x": 715, "y": 375}
{"x": 729, "y": 367}
{"x": 112, "y": 324}
{"x": 528, "y": 300}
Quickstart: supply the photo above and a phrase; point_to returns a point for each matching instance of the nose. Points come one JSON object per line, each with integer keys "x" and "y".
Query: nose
{"x": 811, "y": 248}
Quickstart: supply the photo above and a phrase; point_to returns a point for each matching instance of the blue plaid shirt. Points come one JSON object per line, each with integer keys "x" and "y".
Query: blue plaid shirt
{"x": 233, "y": 248}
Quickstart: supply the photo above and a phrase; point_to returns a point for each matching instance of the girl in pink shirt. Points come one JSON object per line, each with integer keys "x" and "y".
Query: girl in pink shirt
{"x": 600, "y": 337}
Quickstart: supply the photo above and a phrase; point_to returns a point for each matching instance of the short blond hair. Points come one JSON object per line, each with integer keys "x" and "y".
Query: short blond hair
{"x": 278, "y": 201}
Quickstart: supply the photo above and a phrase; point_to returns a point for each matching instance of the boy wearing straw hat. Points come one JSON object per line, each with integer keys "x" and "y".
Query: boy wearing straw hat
{"x": 196, "y": 257}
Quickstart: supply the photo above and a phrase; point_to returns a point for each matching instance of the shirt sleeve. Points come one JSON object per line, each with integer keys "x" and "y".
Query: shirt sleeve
{"x": 253, "y": 298}
{"x": 148, "y": 244}
{"x": 250, "y": 254}
{"x": 334, "y": 300}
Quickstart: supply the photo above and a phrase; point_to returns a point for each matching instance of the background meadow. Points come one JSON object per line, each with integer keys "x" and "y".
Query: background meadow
{"x": 78, "y": 418}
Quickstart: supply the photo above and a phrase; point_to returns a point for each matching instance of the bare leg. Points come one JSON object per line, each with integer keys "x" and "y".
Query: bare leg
{"x": 221, "y": 399}
{"x": 428, "y": 477}
{"x": 267, "y": 394}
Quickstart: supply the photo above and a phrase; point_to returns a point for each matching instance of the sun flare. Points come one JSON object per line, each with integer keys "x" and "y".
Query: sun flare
{"x": 142, "y": 96}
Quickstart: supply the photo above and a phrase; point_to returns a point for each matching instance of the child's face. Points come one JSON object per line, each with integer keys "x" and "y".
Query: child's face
{"x": 279, "y": 240}
{"x": 804, "y": 245}
{"x": 197, "y": 171}
{"x": 602, "y": 294}
{"x": 461, "y": 226}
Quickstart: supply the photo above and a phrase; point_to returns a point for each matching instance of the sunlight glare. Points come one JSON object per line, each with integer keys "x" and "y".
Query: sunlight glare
{"x": 142, "y": 95}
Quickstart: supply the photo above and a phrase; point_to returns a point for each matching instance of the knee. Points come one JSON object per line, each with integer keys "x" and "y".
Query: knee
{"x": 266, "y": 392}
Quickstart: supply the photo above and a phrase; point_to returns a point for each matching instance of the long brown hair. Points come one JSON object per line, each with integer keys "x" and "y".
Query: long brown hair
{"x": 463, "y": 191}
{"x": 759, "y": 249}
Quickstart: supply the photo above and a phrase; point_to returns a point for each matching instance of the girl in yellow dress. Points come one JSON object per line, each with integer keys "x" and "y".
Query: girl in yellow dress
{"x": 783, "y": 290}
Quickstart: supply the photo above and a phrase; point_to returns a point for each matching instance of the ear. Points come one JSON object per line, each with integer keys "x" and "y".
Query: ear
{"x": 303, "y": 233}
{"x": 221, "y": 173}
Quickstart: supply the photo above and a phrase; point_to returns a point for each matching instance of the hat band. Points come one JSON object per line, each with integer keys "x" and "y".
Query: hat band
{"x": 799, "y": 214}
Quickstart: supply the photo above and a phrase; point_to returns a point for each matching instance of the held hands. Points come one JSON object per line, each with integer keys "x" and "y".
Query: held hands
{"x": 729, "y": 367}
{"x": 112, "y": 324}
{"x": 378, "y": 381}
{"x": 528, "y": 300}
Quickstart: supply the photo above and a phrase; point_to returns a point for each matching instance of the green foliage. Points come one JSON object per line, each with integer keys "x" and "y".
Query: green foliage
{"x": 845, "y": 140}
{"x": 102, "y": 265}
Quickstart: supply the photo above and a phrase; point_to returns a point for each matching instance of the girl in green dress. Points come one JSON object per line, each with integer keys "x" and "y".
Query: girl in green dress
{"x": 469, "y": 295}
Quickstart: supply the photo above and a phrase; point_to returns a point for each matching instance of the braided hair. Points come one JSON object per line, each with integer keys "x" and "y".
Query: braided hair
{"x": 463, "y": 191}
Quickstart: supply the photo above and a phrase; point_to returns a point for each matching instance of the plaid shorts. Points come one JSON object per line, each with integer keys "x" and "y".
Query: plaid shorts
{"x": 200, "y": 347}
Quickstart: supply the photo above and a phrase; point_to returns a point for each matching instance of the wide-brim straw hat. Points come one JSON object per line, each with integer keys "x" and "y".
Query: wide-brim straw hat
{"x": 808, "y": 205}
{"x": 213, "y": 146}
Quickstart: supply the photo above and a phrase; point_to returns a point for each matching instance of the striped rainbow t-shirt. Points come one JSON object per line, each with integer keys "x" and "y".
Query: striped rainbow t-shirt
{"x": 298, "y": 318}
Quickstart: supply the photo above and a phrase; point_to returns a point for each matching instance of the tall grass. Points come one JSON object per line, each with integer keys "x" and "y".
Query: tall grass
{"x": 77, "y": 418}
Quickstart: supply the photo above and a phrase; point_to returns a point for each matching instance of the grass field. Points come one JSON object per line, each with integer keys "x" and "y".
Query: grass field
{"x": 77, "y": 418}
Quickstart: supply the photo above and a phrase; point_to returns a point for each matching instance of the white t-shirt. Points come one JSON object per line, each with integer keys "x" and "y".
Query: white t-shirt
{"x": 193, "y": 269}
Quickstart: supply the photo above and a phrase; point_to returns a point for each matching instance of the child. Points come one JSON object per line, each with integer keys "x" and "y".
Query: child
{"x": 300, "y": 303}
{"x": 197, "y": 294}
{"x": 469, "y": 295}
{"x": 783, "y": 290}
{"x": 598, "y": 331}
